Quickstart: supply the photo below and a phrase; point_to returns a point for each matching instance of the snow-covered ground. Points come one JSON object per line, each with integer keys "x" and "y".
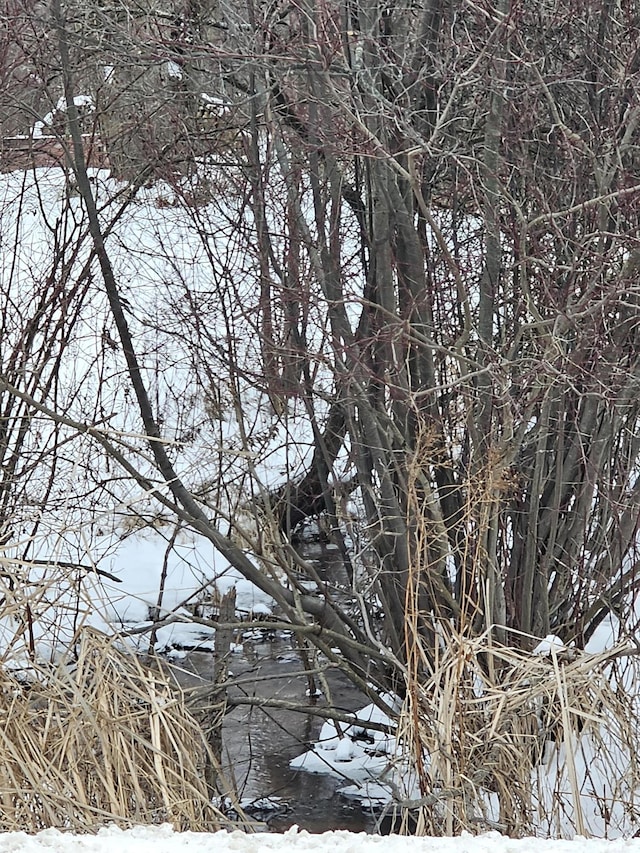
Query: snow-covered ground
{"x": 159, "y": 255}
{"x": 163, "y": 840}
{"x": 225, "y": 450}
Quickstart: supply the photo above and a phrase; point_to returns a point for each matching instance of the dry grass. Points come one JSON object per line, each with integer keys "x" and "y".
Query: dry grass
{"x": 107, "y": 739}
{"x": 504, "y": 739}
{"x": 500, "y": 738}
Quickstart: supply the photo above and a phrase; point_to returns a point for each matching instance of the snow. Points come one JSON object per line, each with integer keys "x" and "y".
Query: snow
{"x": 32, "y": 206}
{"x": 173, "y": 70}
{"x": 60, "y": 107}
{"x": 163, "y": 839}
{"x": 214, "y": 106}
{"x": 550, "y": 642}
{"x": 190, "y": 567}
{"x": 354, "y": 753}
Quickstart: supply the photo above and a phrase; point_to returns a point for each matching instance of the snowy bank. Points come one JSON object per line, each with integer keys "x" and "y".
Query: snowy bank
{"x": 162, "y": 839}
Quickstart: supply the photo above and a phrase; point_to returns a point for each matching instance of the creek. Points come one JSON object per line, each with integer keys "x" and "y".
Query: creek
{"x": 259, "y": 743}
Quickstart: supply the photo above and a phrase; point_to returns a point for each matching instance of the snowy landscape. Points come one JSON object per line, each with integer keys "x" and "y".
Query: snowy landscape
{"x": 319, "y": 426}
{"x": 159, "y": 571}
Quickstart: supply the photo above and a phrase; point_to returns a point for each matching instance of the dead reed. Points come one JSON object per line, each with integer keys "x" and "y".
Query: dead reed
{"x": 104, "y": 739}
{"x": 526, "y": 744}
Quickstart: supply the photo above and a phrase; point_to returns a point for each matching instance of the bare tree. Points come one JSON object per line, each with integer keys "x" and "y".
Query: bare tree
{"x": 488, "y": 191}
{"x": 435, "y": 207}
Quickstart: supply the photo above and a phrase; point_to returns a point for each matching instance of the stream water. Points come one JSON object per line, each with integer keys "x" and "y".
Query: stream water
{"x": 258, "y": 743}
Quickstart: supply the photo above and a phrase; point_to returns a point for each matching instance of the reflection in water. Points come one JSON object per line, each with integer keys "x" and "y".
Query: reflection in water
{"x": 259, "y": 743}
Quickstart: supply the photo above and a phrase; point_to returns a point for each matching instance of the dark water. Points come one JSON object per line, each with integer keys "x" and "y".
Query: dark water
{"x": 259, "y": 743}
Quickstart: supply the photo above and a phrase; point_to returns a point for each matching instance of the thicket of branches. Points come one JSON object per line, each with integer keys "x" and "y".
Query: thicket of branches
{"x": 436, "y": 207}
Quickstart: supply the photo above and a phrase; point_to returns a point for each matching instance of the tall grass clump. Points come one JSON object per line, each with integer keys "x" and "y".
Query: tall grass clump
{"x": 527, "y": 744}
{"x": 104, "y": 738}
{"x": 501, "y": 731}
